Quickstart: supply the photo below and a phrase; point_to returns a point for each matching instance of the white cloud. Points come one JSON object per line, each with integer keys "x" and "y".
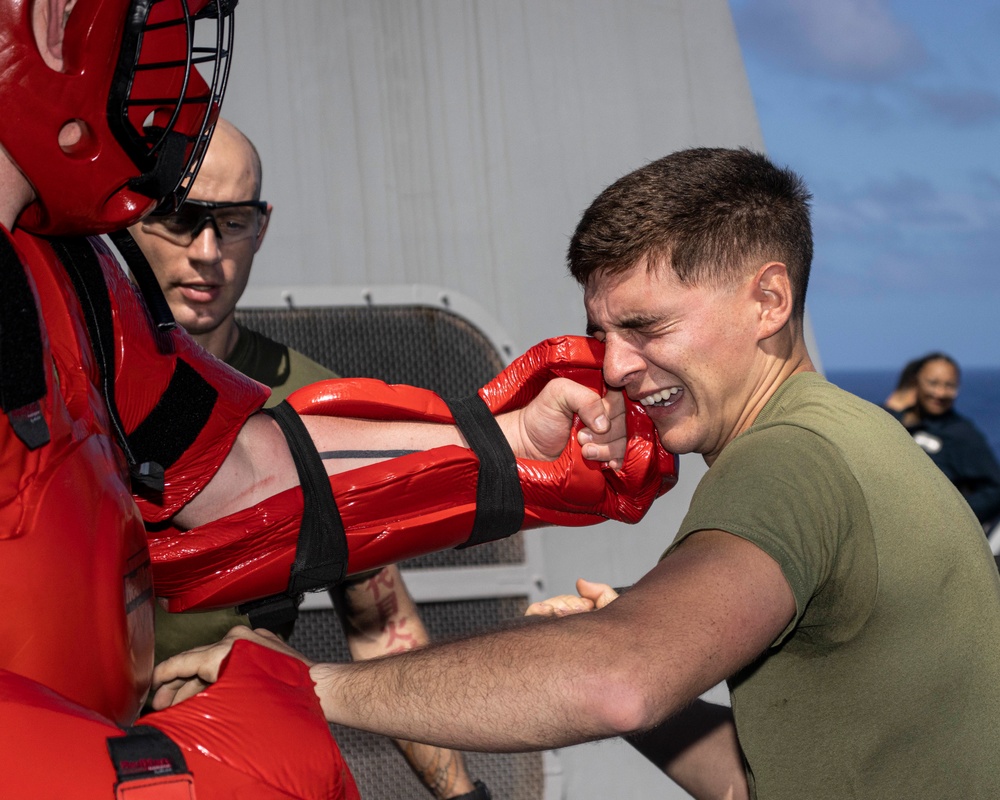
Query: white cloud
{"x": 856, "y": 40}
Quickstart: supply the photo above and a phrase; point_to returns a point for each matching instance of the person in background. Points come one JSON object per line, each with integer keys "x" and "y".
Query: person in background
{"x": 807, "y": 571}
{"x": 952, "y": 441}
{"x": 202, "y": 255}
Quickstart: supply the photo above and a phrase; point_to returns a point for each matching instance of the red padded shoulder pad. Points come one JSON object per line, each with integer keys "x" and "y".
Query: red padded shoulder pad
{"x": 258, "y": 732}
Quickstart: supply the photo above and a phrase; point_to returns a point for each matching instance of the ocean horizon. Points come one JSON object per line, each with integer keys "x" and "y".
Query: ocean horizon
{"x": 978, "y": 396}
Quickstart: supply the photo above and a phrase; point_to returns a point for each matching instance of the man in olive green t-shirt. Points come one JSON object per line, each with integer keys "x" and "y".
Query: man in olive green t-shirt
{"x": 826, "y": 569}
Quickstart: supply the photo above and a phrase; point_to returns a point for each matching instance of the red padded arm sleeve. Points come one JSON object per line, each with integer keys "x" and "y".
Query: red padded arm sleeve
{"x": 417, "y": 503}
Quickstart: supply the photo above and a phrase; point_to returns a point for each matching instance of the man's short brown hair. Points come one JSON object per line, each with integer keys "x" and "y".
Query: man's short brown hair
{"x": 711, "y": 214}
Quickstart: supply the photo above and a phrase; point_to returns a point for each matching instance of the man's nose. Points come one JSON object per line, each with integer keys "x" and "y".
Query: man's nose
{"x": 623, "y": 364}
{"x": 205, "y": 245}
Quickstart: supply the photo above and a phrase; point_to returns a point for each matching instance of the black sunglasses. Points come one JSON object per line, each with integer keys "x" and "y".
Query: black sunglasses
{"x": 232, "y": 222}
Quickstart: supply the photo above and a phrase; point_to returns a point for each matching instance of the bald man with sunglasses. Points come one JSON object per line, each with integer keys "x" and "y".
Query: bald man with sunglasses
{"x": 202, "y": 255}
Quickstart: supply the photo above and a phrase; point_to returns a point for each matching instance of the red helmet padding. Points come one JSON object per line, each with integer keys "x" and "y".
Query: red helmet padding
{"x": 86, "y": 190}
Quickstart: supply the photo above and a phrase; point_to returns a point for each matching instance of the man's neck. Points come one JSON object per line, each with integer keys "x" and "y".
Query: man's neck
{"x": 221, "y": 341}
{"x": 15, "y": 191}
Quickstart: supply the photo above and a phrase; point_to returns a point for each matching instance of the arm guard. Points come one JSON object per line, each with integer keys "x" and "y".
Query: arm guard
{"x": 420, "y": 502}
{"x": 290, "y": 753}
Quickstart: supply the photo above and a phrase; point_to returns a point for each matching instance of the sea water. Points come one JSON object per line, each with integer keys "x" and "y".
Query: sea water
{"x": 978, "y": 397}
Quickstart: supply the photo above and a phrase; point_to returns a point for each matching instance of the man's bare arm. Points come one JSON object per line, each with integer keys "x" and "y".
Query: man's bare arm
{"x": 710, "y": 608}
{"x": 259, "y": 464}
{"x": 698, "y": 749}
{"x": 703, "y": 613}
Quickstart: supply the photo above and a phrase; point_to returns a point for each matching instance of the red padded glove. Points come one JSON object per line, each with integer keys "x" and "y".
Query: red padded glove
{"x": 417, "y": 503}
{"x": 258, "y": 732}
{"x": 625, "y": 494}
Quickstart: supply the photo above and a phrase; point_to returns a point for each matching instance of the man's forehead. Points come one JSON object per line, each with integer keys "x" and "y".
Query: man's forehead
{"x": 622, "y": 300}
{"x": 633, "y": 280}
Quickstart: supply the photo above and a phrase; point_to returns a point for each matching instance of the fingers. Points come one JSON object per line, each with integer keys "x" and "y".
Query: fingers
{"x": 540, "y": 430}
{"x": 605, "y": 436}
{"x": 176, "y": 691}
{"x": 561, "y": 606}
{"x": 543, "y": 426}
{"x": 599, "y": 594}
{"x": 591, "y": 596}
{"x": 185, "y": 674}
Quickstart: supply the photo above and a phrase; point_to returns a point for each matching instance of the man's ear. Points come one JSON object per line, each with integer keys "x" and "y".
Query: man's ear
{"x": 263, "y": 229}
{"x": 773, "y": 293}
{"x": 50, "y": 25}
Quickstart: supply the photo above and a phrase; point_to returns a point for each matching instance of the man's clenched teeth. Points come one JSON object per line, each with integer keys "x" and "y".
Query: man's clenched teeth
{"x": 663, "y": 399}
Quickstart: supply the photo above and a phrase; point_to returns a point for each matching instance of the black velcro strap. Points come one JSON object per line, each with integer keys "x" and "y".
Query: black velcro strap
{"x": 22, "y": 371}
{"x": 144, "y": 278}
{"x": 274, "y": 613}
{"x": 84, "y": 269}
{"x": 177, "y": 418}
{"x": 145, "y": 752}
{"x": 499, "y": 500}
{"x": 321, "y": 551}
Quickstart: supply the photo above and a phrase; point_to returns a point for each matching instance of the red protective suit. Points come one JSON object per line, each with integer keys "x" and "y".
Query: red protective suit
{"x": 76, "y": 636}
{"x": 77, "y": 639}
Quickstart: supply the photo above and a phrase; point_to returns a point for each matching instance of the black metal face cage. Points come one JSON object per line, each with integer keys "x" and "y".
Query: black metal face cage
{"x": 168, "y": 158}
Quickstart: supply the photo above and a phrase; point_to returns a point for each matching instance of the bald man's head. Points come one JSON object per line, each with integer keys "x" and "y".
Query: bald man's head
{"x": 203, "y": 253}
{"x": 233, "y": 152}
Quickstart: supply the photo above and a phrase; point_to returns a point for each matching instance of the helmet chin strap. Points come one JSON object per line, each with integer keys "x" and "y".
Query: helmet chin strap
{"x": 22, "y": 375}
{"x": 161, "y": 183}
{"x": 139, "y": 266}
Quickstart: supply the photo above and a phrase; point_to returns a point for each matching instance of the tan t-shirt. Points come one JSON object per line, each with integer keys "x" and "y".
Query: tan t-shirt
{"x": 887, "y": 682}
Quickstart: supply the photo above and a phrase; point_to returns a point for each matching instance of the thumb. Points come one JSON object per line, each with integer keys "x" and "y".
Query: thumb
{"x": 600, "y": 594}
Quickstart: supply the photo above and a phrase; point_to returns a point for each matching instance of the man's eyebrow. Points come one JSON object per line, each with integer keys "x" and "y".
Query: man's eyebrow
{"x": 630, "y": 323}
{"x": 636, "y": 321}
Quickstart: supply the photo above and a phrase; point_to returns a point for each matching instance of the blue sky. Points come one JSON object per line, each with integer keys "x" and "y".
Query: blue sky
{"x": 890, "y": 109}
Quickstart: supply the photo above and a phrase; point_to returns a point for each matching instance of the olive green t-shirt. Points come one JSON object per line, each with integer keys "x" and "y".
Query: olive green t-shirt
{"x": 284, "y": 370}
{"x": 275, "y": 365}
{"x": 887, "y": 682}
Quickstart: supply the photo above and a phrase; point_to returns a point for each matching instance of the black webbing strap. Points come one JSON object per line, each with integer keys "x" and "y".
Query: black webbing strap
{"x": 146, "y": 758}
{"x": 144, "y": 278}
{"x": 321, "y": 551}
{"x": 175, "y": 422}
{"x": 22, "y": 370}
{"x": 499, "y": 500}
{"x": 84, "y": 269}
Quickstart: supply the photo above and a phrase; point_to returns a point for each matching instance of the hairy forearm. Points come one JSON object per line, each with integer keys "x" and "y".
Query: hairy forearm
{"x": 478, "y": 695}
{"x": 703, "y": 613}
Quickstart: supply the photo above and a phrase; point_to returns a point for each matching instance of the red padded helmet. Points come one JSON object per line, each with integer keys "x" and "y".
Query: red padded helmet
{"x": 129, "y": 80}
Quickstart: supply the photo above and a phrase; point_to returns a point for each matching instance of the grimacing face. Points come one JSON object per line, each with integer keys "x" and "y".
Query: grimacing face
{"x": 685, "y": 352}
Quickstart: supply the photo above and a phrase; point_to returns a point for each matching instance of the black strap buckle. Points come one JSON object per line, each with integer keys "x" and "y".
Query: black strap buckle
{"x": 149, "y": 764}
